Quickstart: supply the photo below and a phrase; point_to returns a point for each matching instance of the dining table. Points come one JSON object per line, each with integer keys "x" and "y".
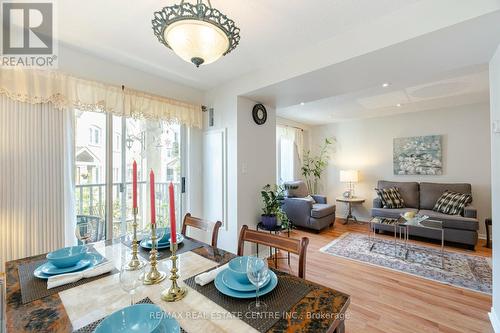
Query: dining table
{"x": 321, "y": 309}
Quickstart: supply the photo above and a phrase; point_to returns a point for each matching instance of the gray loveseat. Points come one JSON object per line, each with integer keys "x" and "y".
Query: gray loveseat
{"x": 420, "y": 198}
{"x": 305, "y": 213}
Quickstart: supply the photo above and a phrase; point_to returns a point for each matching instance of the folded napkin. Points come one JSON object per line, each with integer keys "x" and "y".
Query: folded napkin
{"x": 62, "y": 279}
{"x": 207, "y": 277}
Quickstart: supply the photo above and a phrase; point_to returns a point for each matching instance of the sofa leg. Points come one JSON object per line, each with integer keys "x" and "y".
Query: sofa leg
{"x": 471, "y": 247}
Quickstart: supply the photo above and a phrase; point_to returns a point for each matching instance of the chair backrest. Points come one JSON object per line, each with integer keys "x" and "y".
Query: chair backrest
{"x": 91, "y": 225}
{"x": 288, "y": 244}
{"x": 201, "y": 224}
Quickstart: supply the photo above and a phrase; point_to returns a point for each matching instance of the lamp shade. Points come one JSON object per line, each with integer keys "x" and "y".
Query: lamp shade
{"x": 349, "y": 176}
{"x": 197, "y": 41}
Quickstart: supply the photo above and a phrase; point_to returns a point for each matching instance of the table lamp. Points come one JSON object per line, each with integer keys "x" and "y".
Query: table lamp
{"x": 350, "y": 177}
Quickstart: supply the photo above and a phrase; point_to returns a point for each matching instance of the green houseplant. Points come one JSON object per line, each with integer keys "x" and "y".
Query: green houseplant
{"x": 273, "y": 196}
{"x": 314, "y": 165}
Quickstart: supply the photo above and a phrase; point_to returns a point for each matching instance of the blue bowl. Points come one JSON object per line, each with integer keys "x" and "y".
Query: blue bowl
{"x": 67, "y": 257}
{"x": 238, "y": 268}
{"x": 140, "y": 318}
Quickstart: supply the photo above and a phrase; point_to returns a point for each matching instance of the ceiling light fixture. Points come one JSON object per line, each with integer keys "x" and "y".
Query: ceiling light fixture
{"x": 398, "y": 105}
{"x": 385, "y": 84}
{"x": 197, "y": 33}
{"x": 302, "y": 103}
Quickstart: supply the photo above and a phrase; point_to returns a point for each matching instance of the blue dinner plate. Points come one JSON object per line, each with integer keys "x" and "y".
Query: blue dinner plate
{"x": 230, "y": 281}
{"x": 50, "y": 269}
{"x": 91, "y": 257}
{"x": 140, "y": 318}
{"x": 147, "y": 244}
{"x": 168, "y": 325}
{"x": 245, "y": 294}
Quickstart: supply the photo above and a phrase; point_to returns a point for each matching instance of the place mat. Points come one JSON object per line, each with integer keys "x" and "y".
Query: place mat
{"x": 92, "y": 326}
{"x": 187, "y": 245}
{"x": 33, "y": 288}
{"x": 288, "y": 292}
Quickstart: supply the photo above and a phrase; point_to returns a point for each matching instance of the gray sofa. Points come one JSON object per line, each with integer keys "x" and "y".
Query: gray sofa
{"x": 306, "y": 213}
{"x": 420, "y": 198}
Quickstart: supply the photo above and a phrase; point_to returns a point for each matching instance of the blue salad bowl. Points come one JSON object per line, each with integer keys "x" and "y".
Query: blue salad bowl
{"x": 67, "y": 256}
{"x": 238, "y": 269}
{"x": 140, "y": 318}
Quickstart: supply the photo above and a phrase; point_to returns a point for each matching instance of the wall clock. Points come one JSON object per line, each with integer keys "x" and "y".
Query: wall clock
{"x": 259, "y": 114}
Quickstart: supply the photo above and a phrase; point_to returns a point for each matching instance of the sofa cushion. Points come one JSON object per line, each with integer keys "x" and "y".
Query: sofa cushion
{"x": 452, "y": 221}
{"x": 408, "y": 190}
{"x": 296, "y": 189}
{"x": 392, "y": 213}
{"x": 391, "y": 198}
{"x": 430, "y": 192}
{"x": 322, "y": 210}
{"x": 452, "y": 203}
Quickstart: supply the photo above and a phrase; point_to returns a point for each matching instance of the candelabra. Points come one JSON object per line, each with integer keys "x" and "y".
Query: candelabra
{"x": 154, "y": 276}
{"x": 174, "y": 293}
{"x": 134, "y": 262}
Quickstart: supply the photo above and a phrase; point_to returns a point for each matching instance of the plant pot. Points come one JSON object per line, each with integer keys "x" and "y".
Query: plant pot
{"x": 269, "y": 221}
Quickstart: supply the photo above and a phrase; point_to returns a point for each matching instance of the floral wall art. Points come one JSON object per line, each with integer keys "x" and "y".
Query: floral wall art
{"x": 418, "y": 155}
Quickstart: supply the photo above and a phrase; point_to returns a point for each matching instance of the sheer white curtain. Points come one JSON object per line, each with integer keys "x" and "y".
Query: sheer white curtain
{"x": 36, "y": 178}
{"x": 290, "y": 151}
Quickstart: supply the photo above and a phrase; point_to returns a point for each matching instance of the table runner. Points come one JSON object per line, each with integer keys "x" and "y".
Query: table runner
{"x": 92, "y": 326}
{"x": 187, "y": 245}
{"x": 287, "y": 293}
{"x": 33, "y": 288}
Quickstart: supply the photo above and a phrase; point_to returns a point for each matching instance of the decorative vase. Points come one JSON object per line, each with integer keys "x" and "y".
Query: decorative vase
{"x": 269, "y": 221}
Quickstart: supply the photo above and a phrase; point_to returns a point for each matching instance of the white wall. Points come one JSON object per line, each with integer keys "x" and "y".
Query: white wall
{"x": 256, "y": 161}
{"x": 495, "y": 181}
{"x": 367, "y": 145}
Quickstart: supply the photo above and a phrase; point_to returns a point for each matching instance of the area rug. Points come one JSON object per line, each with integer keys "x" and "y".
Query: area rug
{"x": 460, "y": 270}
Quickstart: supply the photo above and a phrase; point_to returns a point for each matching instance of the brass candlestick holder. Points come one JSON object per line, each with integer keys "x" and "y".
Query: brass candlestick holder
{"x": 134, "y": 262}
{"x": 154, "y": 276}
{"x": 174, "y": 293}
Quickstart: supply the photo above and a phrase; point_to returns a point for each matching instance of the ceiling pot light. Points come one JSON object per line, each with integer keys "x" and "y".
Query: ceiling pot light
{"x": 398, "y": 105}
{"x": 385, "y": 84}
{"x": 302, "y": 103}
{"x": 197, "y": 33}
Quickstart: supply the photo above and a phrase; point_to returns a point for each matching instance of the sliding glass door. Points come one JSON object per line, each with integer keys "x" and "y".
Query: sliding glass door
{"x": 108, "y": 145}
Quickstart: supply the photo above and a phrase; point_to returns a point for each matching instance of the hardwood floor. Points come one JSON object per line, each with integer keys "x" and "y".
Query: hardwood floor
{"x": 387, "y": 301}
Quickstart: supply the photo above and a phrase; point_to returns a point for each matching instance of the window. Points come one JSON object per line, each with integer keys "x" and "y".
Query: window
{"x": 94, "y": 135}
{"x": 152, "y": 144}
{"x": 286, "y": 163}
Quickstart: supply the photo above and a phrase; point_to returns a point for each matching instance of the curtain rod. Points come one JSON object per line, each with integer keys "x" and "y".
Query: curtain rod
{"x": 292, "y": 127}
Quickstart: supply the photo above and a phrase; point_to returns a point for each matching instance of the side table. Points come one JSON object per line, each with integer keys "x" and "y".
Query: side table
{"x": 350, "y": 202}
{"x": 277, "y": 229}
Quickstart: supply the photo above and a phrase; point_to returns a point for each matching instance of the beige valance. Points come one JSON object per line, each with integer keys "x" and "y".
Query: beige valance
{"x": 63, "y": 91}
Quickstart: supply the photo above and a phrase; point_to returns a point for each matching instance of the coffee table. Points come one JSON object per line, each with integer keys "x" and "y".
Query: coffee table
{"x": 427, "y": 224}
{"x": 402, "y": 228}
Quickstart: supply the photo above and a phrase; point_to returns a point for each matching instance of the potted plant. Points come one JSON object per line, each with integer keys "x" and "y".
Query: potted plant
{"x": 313, "y": 166}
{"x": 273, "y": 197}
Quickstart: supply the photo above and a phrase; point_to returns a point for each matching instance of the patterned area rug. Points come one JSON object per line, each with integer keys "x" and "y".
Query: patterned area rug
{"x": 461, "y": 270}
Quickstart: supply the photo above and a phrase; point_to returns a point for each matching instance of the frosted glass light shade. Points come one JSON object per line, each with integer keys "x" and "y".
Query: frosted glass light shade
{"x": 349, "y": 176}
{"x": 196, "y": 41}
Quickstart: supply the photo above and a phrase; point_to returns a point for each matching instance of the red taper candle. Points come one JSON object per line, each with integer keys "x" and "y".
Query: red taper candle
{"x": 134, "y": 184}
{"x": 152, "y": 196}
{"x": 173, "y": 234}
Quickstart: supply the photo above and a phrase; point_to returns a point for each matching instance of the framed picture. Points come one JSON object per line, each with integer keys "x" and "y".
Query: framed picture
{"x": 418, "y": 155}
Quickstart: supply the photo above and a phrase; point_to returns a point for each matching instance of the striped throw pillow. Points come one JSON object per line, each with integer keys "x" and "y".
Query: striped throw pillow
{"x": 452, "y": 203}
{"x": 390, "y": 197}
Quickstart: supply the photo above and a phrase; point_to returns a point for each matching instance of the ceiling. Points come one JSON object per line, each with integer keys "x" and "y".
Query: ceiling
{"x": 442, "y": 69}
{"x": 120, "y": 30}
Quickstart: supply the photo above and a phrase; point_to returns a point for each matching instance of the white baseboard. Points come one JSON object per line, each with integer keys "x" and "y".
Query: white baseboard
{"x": 495, "y": 322}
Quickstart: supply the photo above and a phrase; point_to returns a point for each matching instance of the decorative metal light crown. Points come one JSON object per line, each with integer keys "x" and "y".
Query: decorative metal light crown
{"x": 196, "y": 32}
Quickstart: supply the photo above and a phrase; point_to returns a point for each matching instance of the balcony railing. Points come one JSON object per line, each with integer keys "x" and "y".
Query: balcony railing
{"x": 91, "y": 200}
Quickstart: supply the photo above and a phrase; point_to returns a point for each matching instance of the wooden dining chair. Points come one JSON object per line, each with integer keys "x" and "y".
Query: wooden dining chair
{"x": 292, "y": 245}
{"x": 201, "y": 224}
